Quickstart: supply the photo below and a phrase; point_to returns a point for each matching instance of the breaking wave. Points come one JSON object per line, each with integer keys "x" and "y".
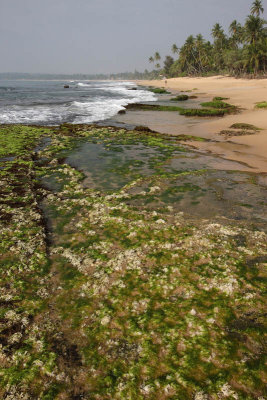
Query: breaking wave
{"x": 82, "y": 103}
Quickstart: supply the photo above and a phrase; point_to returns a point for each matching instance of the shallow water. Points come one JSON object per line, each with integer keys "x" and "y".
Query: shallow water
{"x": 186, "y": 180}
{"x": 112, "y": 167}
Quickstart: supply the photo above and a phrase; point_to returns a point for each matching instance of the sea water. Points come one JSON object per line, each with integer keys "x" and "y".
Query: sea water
{"x": 49, "y": 103}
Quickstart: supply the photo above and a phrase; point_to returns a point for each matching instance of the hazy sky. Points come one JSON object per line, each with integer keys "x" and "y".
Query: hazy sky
{"x": 94, "y": 36}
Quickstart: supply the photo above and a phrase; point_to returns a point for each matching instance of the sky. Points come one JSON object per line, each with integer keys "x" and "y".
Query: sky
{"x": 103, "y": 36}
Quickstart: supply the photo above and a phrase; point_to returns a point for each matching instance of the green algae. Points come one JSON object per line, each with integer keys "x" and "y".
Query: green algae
{"x": 182, "y": 97}
{"x": 17, "y": 140}
{"x": 221, "y": 105}
{"x": 136, "y": 303}
{"x": 152, "y": 107}
{"x": 262, "y": 104}
{"x": 244, "y": 126}
{"x": 202, "y": 112}
{"x": 218, "y": 98}
{"x": 158, "y": 90}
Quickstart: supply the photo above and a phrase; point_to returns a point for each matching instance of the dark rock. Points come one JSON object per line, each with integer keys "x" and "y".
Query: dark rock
{"x": 122, "y": 112}
{"x": 66, "y": 86}
{"x": 143, "y": 129}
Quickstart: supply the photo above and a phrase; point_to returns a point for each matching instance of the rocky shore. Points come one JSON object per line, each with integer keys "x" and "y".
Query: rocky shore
{"x": 131, "y": 268}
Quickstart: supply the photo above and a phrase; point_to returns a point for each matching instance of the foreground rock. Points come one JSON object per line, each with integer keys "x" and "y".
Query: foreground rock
{"x": 108, "y": 290}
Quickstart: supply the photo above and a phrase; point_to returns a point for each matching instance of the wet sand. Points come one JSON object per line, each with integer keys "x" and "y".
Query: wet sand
{"x": 250, "y": 150}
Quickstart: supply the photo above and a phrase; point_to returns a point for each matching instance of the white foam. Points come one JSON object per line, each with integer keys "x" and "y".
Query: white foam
{"x": 83, "y": 84}
{"x": 94, "y": 108}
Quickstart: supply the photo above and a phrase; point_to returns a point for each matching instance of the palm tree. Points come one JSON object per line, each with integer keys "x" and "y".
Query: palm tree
{"x": 233, "y": 27}
{"x": 157, "y": 56}
{"x": 236, "y": 31}
{"x": 220, "y": 42}
{"x": 257, "y": 8}
{"x": 254, "y": 29}
{"x": 219, "y": 36}
{"x": 175, "y": 49}
{"x": 199, "y": 43}
{"x": 151, "y": 59}
{"x": 244, "y": 50}
{"x": 188, "y": 56}
{"x": 168, "y": 62}
{"x": 217, "y": 31}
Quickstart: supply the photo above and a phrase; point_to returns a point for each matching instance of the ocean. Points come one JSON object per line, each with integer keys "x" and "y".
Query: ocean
{"x": 49, "y": 103}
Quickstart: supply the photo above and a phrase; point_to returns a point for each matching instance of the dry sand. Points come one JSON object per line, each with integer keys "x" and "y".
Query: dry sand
{"x": 249, "y": 149}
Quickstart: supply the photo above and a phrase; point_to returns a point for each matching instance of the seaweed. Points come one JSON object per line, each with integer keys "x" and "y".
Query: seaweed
{"x": 159, "y": 90}
{"x": 181, "y": 97}
{"x": 261, "y": 104}
{"x": 129, "y": 298}
{"x": 244, "y": 126}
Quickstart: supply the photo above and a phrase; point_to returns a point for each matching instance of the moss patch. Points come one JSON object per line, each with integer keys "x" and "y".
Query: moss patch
{"x": 220, "y": 98}
{"x": 158, "y": 90}
{"x": 262, "y": 104}
{"x": 244, "y": 126}
{"x": 113, "y": 293}
{"x": 202, "y": 112}
{"x": 221, "y": 105}
{"x": 182, "y": 97}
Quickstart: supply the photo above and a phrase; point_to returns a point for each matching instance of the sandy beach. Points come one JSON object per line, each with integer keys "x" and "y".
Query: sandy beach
{"x": 250, "y": 150}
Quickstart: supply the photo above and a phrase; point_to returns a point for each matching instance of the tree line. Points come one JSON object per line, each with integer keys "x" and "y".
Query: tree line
{"x": 242, "y": 51}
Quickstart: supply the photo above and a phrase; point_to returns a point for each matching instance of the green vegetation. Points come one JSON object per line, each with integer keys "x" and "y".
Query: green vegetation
{"x": 220, "y": 105}
{"x": 262, "y": 104}
{"x": 181, "y": 97}
{"x": 242, "y": 52}
{"x": 220, "y": 98}
{"x": 240, "y": 129}
{"x": 108, "y": 289}
{"x": 213, "y": 108}
{"x": 158, "y": 90}
{"x": 152, "y": 107}
{"x": 244, "y": 126}
{"x": 202, "y": 112}
{"x": 17, "y": 140}
{"x": 241, "y": 132}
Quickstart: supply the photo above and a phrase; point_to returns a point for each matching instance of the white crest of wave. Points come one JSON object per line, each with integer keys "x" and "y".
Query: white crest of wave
{"x": 92, "y": 109}
{"x": 40, "y": 114}
{"x": 106, "y": 108}
{"x": 83, "y": 84}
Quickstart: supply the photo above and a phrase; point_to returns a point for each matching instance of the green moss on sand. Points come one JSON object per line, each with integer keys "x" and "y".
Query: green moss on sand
{"x": 182, "y": 97}
{"x": 220, "y": 105}
{"x": 159, "y": 91}
{"x": 244, "y": 126}
{"x": 262, "y": 104}
{"x": 202, "y": 112}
